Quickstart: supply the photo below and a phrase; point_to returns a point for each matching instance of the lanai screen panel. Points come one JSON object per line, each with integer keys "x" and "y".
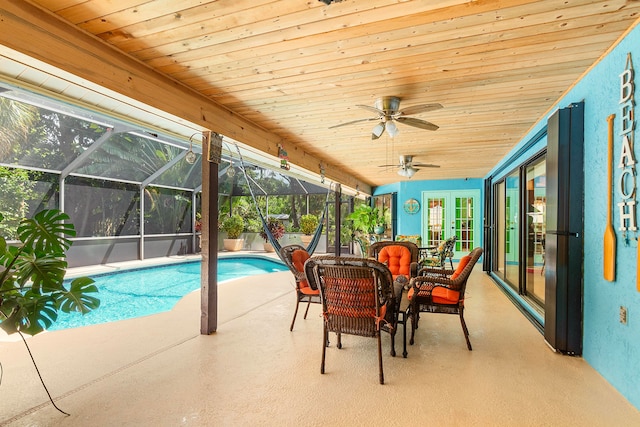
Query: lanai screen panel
{"x": 182, "y": 175}
{"x": 42, "y": 138}
{"x": 128, "y": 157}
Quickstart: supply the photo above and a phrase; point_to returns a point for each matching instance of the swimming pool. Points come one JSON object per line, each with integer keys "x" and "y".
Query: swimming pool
{"x": 151, "y": 290}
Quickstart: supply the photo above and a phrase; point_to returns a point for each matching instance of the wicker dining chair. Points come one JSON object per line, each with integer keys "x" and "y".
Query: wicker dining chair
{"x": 357, "y": 299}
{"x": 438, "y": 257}
{"x": 437, "y": 290}
{"x": 294, "y": 256}
{"x": 401, "y": 257}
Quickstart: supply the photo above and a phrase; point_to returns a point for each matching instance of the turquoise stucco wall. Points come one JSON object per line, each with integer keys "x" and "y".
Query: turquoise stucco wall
{"x": 411, "y": 224}
{"x": 612, "y": 348}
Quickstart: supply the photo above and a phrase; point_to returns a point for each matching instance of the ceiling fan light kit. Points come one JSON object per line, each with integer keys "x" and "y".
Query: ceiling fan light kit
{"x": 408, "y": 172}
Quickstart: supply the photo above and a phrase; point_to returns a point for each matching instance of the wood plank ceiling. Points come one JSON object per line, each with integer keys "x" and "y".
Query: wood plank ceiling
{"x": 298, "y": 67}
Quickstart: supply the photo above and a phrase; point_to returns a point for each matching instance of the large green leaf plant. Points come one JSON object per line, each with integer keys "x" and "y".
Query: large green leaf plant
{"x": 32, "y": 288}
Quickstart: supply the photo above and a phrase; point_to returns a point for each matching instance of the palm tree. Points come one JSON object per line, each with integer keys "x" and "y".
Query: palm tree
{"x": 16, "y": 120}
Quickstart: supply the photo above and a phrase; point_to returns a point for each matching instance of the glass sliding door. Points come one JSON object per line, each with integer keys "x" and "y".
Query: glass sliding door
{"x": 536, "y": 201}
{"x": 518, "y": 242}
{"x": 500, "y": 239}
{"x": 511, "y": 244}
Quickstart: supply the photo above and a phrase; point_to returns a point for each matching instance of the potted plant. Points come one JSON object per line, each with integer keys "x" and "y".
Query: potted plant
{"x": 198, "y": 229}
{"x": 379, "y": 220}
{"x": 234, "y": 226}
{"x": 276, "y": 228}
{"x": 366, "y": 221}
{"x": 308, "y": 226}
{"x": 366, "y": 218}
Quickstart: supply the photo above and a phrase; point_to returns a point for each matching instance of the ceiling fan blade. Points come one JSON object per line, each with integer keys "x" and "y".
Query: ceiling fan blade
{"x": 422, "y": 124}
{"x": 423, "y": 108}
{"x": 425, "y": 165}
{"x": 372, "y": 109}
{"x": 354, "y": 121}
{"x": 377, "y": 131}
{"x": 389, "y": 166}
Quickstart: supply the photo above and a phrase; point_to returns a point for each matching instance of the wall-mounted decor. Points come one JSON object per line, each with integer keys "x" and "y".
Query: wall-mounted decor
{"x": 215, "y": 147}
{"x": 411, "y": 206}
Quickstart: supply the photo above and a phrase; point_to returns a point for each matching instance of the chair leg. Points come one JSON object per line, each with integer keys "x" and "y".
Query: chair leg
{"x": 325, "y": 341}
{"x": 308, "y": 305}
{"x": 295, "y": 313}
{"x": 464, "y": 328}
{"x": 404, "y": 334}
{"x": 380, "y": 358}
{"x": 393, "y": 343}
{"x": 414, "y": 321}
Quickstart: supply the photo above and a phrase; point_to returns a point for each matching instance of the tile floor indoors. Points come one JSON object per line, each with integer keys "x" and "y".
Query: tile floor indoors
{"x": 159, "y": 371}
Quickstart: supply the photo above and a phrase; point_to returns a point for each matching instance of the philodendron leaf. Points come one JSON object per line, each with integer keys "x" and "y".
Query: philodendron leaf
{"x": 30, "y": 313}
{"x": 47, "y": 232}
{"x": 3, "y": 246}
{"x": 41, "y": 313}
{"x": 10, "y": 315}
{"x": 45, "y": 272}
{"x": 32, "y": 287}
{"x": 77, "y": 298}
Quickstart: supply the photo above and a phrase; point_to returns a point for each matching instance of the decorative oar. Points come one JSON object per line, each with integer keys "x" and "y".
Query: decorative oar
{"x": 609, "y": 234}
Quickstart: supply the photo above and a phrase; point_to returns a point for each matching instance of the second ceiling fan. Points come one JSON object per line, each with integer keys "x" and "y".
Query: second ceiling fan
{"x": 406, "y": 166}
{"x": 388, "y": 112}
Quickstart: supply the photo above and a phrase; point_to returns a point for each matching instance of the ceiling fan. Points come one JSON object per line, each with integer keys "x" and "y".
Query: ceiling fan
{"x": 388, "y": 113}
{"x": 407, "y": 167}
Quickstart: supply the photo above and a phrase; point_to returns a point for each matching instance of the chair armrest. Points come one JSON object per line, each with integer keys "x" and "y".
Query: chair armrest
{"x": 434, "y": 271}
{"x": 414, "y": 269}
{"x": 436, "y": 281}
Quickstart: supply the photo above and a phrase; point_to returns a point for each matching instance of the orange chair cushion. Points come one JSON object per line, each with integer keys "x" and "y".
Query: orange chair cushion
{"x": 461, "y": 265}
{"x": 397, "y": 259}
{"x": 298, "y": 258}
{"x": 306, "y": 289}
{"x": 442, "y": 295}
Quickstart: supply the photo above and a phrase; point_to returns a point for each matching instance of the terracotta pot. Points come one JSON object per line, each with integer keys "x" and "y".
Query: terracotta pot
{"x": 233, "y": 245}
{"x": 306, "y": 239}
{"x": 268, "y": 247}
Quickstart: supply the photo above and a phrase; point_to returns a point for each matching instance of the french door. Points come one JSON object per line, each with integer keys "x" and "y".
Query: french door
{"x": 451, "y": 213}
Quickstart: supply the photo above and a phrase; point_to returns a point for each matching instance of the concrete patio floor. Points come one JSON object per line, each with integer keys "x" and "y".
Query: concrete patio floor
{"x": 159, "y": 371}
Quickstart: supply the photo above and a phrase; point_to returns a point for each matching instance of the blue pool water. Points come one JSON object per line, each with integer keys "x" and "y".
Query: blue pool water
{"x": 140, "y": 292}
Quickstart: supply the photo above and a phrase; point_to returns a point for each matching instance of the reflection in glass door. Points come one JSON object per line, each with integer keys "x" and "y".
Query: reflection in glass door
{"x": 500, "y": 229}
{"x": 463, "y": 224}
{"x": 512, "y": 189}
{"x": 536, "y": 198}
{"x": 435, "y": 220}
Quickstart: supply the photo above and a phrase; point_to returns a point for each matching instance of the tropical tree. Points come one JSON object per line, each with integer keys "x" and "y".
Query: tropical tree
{"x": 16, "y": 188}
{"x": 16, "y": 121}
